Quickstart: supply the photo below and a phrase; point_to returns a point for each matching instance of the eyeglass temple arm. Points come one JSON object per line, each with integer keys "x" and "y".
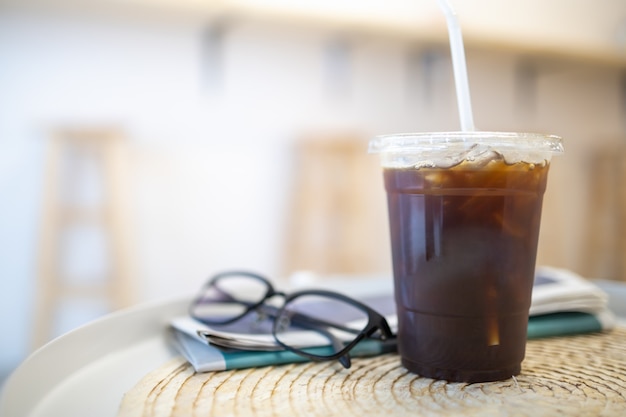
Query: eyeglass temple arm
{"x": 378, "y": 322}
{"x": 303, "y": 319}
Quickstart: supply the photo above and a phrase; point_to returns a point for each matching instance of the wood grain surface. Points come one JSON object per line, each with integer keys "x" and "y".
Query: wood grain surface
{"x": 579, "y": 375}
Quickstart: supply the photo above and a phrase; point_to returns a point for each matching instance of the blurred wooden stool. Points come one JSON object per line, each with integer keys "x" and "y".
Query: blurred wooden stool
{"x": 76, "y": 155}
{"x": 338, "y": 220}
{"x": 605, "y": 249}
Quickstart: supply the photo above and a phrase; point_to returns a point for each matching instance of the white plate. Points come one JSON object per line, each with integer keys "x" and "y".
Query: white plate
{"x": 87, "y": 371}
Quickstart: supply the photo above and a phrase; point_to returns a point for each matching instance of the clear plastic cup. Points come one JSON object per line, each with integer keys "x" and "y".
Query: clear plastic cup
{"x": 464, "y": 216}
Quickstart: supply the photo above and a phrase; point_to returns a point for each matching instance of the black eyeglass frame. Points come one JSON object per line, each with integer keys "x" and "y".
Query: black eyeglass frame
{"x": 269, "y": 293}
{"x": 375, "y": 322}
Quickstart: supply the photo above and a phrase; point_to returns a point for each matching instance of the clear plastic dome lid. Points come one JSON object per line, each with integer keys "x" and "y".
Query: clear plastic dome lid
{"x": 446, "y": 149}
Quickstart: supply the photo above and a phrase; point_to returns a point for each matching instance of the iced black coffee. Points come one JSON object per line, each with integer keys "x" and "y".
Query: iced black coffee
{"x": 464, "y": 222}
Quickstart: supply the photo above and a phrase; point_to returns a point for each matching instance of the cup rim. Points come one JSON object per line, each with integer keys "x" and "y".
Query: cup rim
{"x": 432, "y": 141}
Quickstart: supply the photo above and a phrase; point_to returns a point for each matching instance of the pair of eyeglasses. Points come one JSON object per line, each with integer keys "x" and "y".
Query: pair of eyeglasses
{"x": 341, "y": 321}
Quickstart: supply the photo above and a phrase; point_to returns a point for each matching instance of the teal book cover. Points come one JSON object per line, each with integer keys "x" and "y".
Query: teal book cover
{"x": 567, "y": 323}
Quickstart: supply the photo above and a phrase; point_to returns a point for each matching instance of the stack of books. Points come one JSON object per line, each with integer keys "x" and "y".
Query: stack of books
{"x": 563, "y": 303}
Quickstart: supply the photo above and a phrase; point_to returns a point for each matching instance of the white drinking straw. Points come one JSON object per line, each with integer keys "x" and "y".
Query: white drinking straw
{"x": 460, "y": 69}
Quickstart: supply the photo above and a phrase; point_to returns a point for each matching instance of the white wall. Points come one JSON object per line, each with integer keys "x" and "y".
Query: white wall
{"x": 210, "y": 153}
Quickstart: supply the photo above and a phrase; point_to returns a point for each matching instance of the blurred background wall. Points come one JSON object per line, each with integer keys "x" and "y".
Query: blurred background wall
{"x": 242, "y": 129}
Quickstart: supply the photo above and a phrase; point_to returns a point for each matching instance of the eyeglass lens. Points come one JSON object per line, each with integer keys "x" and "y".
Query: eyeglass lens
{"x": 321, "y": 320}
{"x": 228, "y": 297}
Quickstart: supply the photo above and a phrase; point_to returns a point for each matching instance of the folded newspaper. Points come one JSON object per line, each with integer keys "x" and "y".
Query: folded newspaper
{"x": 563, "y": 303}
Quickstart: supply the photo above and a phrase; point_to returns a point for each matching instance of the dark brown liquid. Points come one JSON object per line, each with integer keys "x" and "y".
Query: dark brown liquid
{"x": 464, "y": 243}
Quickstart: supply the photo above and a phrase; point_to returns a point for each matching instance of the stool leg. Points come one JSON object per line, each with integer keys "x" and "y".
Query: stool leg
{"x": 47, "y": 284}
{"x": 59, "y": 215}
